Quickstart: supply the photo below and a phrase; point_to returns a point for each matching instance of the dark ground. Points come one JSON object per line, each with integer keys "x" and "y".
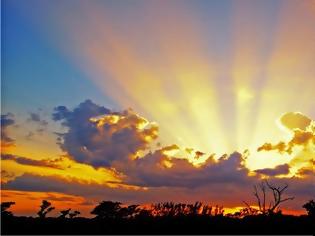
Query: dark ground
{"x": 282, "y": 224}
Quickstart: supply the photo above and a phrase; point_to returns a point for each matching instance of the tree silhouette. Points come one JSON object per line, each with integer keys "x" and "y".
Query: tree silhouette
{"x": 4, "y": 208}
{"x": 114, "y": 210}
{"x": 129, "y": 211}
{"x": 163, "y": 218}
{"x": 310, "y": 208}
{"x": 74, "y": 214}
{"x": 64, "y": 213}
{"x": 107, "y": 209}
{"x": 45, "y": 208}
{"x": 261, "y": 196}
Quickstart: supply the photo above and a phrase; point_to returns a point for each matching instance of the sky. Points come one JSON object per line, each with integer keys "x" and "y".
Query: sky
{"x": 149, "y": 101}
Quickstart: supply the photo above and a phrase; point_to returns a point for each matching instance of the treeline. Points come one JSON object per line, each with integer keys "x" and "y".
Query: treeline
{"x": 163, "y": 218}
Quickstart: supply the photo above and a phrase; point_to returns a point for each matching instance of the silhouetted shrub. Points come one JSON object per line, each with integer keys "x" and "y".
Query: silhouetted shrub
{"x": 64, "y": 213}
{"x": 310, "y": 208}
{"x": 171, "y": 209}
{"x": 4, "y": 209}
{"x": 74, "y": 214}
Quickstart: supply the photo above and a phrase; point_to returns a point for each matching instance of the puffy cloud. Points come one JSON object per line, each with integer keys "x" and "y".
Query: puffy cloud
{"x": 6, "y": 121}
{"x": 98, "y": 136}
{"x": 301, "y": 146}
{"x": 300, "y": 138}
{"x": 302, "y": 130}
{"x": 278, "y": 170}
{"x": 295, "y": 120}
{"x": 281, "y": 147}
{"x": 158, "y": 169}
{"x": 112, "y": 149}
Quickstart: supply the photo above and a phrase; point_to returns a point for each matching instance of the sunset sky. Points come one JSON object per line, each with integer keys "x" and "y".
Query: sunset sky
{"x": 144, "y": 101}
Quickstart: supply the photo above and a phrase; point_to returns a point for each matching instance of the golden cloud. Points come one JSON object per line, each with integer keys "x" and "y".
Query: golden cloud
{"x": 295, "y": 120}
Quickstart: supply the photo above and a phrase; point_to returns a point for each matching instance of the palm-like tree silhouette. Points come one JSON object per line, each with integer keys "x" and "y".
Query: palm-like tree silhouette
{"x": 45, "y": 208}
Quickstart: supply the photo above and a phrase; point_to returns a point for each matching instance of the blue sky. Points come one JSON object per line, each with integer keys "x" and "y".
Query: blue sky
{"x": 35, "y": 74}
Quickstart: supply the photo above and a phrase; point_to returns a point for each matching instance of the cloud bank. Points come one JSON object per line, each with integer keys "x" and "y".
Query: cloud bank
{"x": 122, "y": 160}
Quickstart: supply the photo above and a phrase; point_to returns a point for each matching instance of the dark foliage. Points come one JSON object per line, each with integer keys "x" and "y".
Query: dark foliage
{"x": 310, "y": 208}
{"x": 4, "y": 209}
{"x": 64, "y": 213}
{"x": 71, "y": 215}
{"x": 45, "y": 208}
{"x": 74, "y": 214}
{"x": 161, "y": 218}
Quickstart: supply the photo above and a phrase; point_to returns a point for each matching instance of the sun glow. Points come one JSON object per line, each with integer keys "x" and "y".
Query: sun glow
{"x": 164, "y": 67}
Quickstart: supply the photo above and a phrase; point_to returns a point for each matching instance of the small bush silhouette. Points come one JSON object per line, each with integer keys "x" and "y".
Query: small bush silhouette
{"x": 4, "y": 209}
{"x": 71, "y": 215}
{"x": 74, "y": 214}
{"x": 171, "y": 209}
{"x": 310, "y": 208}
{"x": 64, "y": 213}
